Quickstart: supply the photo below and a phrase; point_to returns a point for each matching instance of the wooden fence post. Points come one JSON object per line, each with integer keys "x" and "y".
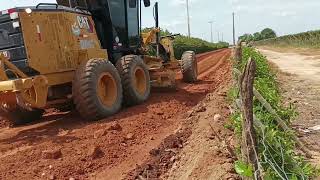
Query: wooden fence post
{"x": 249, "y": 139}
{"x": 238, "y": 53}
{"x": 280, "y": 122}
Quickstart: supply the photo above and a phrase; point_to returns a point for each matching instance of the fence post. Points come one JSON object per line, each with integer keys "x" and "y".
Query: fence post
{"x": 238, "y": 53}
{"x": 249, "y": 139}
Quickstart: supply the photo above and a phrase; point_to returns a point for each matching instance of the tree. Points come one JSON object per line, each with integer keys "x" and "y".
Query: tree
{"x": 268, "y": 33}
{"x": 257, "y": 36}
{"x": 246, "y": 38}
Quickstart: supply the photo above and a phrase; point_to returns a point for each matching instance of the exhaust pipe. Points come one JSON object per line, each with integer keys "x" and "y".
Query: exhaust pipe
{"x": 156, "y": 17}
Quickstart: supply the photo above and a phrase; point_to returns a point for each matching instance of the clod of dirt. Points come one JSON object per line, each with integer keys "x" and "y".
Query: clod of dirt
{"x": 173, "y": 159}
{"x": 100, "y": 133}
{"x": 173, "y": 142}
{"x": 115, "y": 127}
{"x": 201, "y": 109}
{"x": 231, "y": 178}
{"x": 154, "y": 152}
{"x": 160, "y": 113}
{"x": 217, "y": 118}
{"x": 52, "y": 177}
{"x": 224, "y": 94}
{"x": 63, "y": 132}
{"x": 130, "y": 136}
{"x": 72, "y": 178}
{"x": 229, "y": 167}
{"x": 95, "y": 152}
{"x": 52, "y": 154}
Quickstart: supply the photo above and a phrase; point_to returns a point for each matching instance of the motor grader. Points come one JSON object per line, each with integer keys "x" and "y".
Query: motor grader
{"x": 88, "y": 52}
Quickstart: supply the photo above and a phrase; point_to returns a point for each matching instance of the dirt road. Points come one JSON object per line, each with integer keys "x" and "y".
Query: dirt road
{"x": 300, "y": 83}
{"x": 64, "y": 146}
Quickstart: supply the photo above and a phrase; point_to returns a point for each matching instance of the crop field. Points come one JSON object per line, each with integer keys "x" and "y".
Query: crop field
{"x": 309, "y": 39}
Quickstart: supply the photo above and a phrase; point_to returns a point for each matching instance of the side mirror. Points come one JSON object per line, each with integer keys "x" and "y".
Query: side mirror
{"x": 146, "y": 3}
{"x": 132, "y": 3}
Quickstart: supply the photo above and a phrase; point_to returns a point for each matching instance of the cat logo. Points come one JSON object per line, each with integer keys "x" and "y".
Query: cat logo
{"x": 5, "y": 54}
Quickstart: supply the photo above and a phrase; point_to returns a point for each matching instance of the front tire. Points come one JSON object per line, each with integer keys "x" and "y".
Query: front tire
{"x": 97, "y": 90}
{"x": 135, "y": 79}
{"x": 189, "y": 66}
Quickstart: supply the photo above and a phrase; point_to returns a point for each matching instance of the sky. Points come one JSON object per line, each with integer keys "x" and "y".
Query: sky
{"x": 284, "y": 16}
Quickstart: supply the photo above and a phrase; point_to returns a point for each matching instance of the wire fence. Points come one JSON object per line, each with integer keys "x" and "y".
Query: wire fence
{"x": 254, "y": 131}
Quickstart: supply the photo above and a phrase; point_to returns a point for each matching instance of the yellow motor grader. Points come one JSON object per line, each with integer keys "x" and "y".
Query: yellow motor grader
{"x": 88, "y": 52}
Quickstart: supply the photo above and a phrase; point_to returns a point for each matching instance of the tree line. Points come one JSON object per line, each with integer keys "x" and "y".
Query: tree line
{"x": 266, "y": 33}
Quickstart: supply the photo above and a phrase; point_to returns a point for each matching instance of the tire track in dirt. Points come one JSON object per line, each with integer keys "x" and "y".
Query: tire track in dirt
{"x": 146, "y": 125}
{"x": 164, "y": 156}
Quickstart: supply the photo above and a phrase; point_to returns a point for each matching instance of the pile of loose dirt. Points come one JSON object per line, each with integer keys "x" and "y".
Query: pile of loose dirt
{"x": 4, "y": 123}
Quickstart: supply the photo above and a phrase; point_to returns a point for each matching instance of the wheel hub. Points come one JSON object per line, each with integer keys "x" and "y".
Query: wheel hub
{"x": 140, "y": 80}
{"x": 107, "y": 89}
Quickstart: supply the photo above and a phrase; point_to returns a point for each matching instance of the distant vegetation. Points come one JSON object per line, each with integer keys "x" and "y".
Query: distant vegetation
{"x": 267, "y": 33}
{"x": 183, "y": 43}
{"x": 310, "y": 39}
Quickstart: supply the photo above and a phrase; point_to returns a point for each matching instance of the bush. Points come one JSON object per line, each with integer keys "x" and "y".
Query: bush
{"x": 183, "y": 43}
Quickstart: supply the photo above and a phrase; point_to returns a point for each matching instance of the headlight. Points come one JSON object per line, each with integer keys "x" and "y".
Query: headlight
{"x": 28, "y": 10}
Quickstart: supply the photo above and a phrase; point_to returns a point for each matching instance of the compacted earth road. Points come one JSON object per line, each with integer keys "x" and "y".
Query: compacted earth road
{"x": 176, "y": 134}
{"x": 299, "y": 77}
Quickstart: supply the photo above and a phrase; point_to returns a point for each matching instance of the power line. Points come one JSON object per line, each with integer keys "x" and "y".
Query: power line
{"x": 211, "y": 26}
{"x": 234, "y": 30}
{"x": 188, "y": 18}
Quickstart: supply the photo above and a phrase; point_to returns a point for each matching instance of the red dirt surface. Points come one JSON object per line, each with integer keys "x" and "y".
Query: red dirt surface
{"x": 110, "y": 148}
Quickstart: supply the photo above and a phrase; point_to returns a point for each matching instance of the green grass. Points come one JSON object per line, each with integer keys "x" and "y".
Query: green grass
{"x": 275, "y": 147}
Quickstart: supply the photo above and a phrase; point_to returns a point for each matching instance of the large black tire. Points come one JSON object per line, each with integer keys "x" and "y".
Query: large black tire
{"x": 97, "y": 90}
{"x": 20, "y": 116}
{"x": 135, "y": 79}
{"x": 189, "y": 67}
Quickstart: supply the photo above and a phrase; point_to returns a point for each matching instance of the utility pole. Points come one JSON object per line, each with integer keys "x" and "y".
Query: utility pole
{"x": 188, "y": 18}
{"x": 211, "y": 24}
{"x": 218, "y": 36}
{"x": 234, "y": 30}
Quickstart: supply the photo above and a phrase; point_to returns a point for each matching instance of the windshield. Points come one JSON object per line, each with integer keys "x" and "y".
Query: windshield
{"x": 7, "y": 4}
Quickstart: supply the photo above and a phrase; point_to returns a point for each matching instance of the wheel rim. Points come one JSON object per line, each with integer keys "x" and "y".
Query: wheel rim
{"x": 107, "y": 89}
{"x": 140, "y": 80}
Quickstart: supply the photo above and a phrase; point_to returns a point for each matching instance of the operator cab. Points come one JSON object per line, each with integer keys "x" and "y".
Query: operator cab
{"x": 117, "y": 23}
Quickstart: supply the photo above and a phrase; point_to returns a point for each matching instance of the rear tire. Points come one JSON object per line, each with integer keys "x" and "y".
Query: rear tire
{"x": 135, "y": 79}
{"x": 189, "y": 67}
{"x": 21, "y": 116}
{"x": 97, "y": 90}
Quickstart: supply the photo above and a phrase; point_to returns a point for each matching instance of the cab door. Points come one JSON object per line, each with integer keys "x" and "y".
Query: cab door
{"x": 133, "y": 24}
